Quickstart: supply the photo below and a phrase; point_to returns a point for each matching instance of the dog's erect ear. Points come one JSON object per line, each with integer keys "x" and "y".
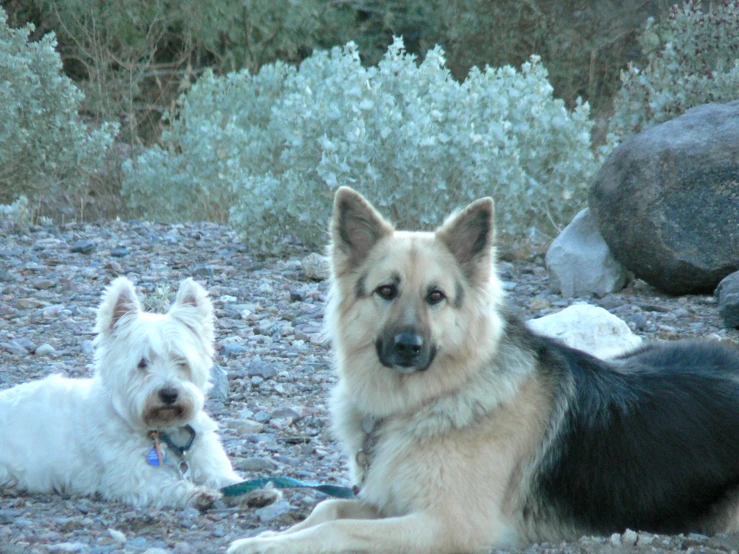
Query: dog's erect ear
{"x": 119, "y": 301}
{"x": 355, "y": 228}
{"x": 192, "y": 295}
{"x": 469, "y": 235}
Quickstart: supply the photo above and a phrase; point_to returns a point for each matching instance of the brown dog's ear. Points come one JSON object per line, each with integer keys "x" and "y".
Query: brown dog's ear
{"x": 355, "y": 229}
{"x": 469, "y": 235}
{"x": 119, "y": 300}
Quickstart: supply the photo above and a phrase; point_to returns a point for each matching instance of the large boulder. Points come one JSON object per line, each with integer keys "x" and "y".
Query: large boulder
{"x": 579, "y": 263}
{"x": 727, "y": 293}
{"x": 666, "y": 201}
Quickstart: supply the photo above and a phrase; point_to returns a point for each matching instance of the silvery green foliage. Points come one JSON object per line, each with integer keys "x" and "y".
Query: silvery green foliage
{"x": 17, "y": 212}
{"x": 276, "y": 145}
{"x": 692, "y": 59}
{"x": 44, "y": 147}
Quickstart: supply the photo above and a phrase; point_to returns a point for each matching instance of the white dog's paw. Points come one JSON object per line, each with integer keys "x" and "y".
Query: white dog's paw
{"x": 203, "y": 498}
{"x": 255, "y": 546}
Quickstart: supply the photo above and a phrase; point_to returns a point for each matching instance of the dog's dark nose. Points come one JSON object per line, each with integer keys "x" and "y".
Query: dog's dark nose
{"x": 168, "y": 395}
{"x": 408, "y": 345}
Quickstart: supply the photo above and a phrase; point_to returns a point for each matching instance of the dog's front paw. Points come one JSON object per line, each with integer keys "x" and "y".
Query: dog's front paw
{"x": 255, "y": 546}
{"x": 261, "y": 497}
{"x": 203, "y": 498}
{"x": 255, "y": 499}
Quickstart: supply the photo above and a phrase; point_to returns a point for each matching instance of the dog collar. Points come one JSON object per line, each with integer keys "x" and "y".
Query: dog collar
{"x": 161, "y": 441}
{"x": 363, "y": 457}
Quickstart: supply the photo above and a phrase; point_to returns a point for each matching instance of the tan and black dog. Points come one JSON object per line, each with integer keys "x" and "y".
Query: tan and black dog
{"x": 466, "y": 431}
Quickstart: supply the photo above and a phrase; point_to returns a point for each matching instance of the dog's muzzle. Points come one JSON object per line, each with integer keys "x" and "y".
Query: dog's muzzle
{"x": 167, "y": 407}
{"x": 405, "y": 350}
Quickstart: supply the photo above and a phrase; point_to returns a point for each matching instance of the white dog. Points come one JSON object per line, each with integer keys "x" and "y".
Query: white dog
{"x": 136, "y": 431}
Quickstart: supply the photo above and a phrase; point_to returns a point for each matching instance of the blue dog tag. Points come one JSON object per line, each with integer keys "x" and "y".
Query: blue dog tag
{"x": 153, "y": 458}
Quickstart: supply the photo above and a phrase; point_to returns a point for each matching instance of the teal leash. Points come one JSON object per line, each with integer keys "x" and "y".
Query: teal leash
{"x": 286, "y": 483}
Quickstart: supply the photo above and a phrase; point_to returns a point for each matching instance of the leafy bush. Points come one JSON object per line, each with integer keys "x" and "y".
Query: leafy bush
{"x": 274, "y": 146}
{"x": 692, "y": 59}
{"x": 44, "y": 147}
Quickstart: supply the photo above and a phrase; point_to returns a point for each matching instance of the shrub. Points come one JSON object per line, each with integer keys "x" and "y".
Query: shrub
{"x": 692, "y": 59}
{"x": 274, "y": 146}
{"x": 132, "y": 58}
{"x": 44, "y": 147}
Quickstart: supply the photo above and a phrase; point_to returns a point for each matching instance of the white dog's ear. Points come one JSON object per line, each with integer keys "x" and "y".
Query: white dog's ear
{"x": 119, "y": 301}
{"x": 469, "y": 235}
{"x": 192, "y": 299}
{"x": 355, "y": 229}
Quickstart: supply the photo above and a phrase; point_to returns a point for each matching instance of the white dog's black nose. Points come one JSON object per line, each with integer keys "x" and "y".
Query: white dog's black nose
{"x": 168, "y": 395}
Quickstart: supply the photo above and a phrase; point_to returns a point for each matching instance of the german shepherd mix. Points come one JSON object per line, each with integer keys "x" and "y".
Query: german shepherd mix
{"x": 467, "y": 431}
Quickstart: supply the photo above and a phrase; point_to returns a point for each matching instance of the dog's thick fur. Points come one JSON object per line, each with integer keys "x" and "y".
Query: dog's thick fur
{"x": 478, "y": 433}
{"x": 91, "y": 436}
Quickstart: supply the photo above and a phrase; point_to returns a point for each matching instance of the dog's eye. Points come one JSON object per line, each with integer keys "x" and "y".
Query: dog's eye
{"x": 388, "y": 292}
{"x": 142, "y": 364}
{"x": 435, "y": 296}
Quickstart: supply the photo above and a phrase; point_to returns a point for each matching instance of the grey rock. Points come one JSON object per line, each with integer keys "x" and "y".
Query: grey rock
{"x": 82, "y": 247}
{"x": 256, "y": 464}
{"x": 727, "y": 294}
{"x": 7, "y": 277}
{"x": 183, "y": 548}
{"x": 237, "y": 310}
{"x": 273, "y": 511}
{"x": 283, "y": 413}
{"x": 24, "y": 343}
{"x": 579, "y": 261}
{"x": 204, "y": 271}
{"x": 8, "y": 516}
{"x": 219, "y": 379}
{"x": 87, "y": 347}
{"x": 43, "y": 284}
{"x": 639, "y": 320}
{"x": 233, "y": 349}
{"x": 666, "y": 200}
{"x": 12, "y": 348}
{"x": 248, "y": 426}
{"x": 262, "y": 369}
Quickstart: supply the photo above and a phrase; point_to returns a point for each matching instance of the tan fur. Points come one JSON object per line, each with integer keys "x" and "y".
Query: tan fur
{"x": 456, "y": 442}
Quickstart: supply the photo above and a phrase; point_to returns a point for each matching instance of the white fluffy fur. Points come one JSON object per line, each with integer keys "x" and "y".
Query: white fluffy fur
{"x": 91, "y": 436}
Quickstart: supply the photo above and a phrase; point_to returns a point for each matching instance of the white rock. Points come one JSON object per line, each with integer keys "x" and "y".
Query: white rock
{"x": 45, "y": 350}
{"x": 118, "y": 536}
{"x": 579, "y": 261}
{"x": 629, "y": 538}
{"x": 588, "y": 328}
{"x": 316, "y": 267}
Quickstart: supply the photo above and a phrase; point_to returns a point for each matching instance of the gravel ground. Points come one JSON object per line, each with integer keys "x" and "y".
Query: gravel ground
{"x": 272, "y": 408}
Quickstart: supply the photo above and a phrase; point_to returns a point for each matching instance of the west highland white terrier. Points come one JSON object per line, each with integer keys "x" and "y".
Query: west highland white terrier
{"x": 136, "y": 431}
